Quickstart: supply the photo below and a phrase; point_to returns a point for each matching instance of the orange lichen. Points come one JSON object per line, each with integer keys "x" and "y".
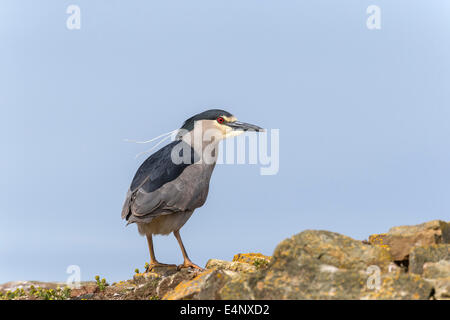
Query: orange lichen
{"x": 250, "y": 258}
{"x": 378, "y": 239}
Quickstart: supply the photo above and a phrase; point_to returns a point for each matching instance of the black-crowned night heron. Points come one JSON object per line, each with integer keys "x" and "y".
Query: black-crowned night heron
{"x": 165, "y": 190}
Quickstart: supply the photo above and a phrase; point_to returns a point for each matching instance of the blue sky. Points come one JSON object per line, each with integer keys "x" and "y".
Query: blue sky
{"x": 363, "y": 118}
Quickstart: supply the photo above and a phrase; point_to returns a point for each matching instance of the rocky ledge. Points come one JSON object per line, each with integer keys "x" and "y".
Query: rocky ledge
{"x": 407, "y": 262}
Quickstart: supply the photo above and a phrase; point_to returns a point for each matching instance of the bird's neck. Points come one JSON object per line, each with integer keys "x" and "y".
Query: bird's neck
{"x": 208, "y": 149}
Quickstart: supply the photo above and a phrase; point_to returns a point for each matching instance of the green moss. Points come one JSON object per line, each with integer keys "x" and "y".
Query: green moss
{"x": 37, "y": 293}
{"x": 260, "y": 263}
{"x": 12, "y": 295}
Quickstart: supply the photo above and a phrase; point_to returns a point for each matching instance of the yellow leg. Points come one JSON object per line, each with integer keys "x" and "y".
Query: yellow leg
{"x": 187, "y": 262}
{"x": 153, "y": 261}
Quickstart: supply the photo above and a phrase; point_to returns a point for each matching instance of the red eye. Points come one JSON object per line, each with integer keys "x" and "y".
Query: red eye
{"x": 220, "y": 120}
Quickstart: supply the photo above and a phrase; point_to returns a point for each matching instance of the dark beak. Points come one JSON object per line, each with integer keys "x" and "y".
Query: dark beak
{"x": 237, "y": 125}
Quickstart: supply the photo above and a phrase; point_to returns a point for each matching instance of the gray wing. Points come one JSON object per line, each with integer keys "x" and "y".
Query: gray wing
{"x": 155, "y": 189}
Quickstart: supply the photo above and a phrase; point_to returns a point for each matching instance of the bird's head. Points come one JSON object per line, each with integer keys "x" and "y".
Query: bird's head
{"x": 221, "y": 122}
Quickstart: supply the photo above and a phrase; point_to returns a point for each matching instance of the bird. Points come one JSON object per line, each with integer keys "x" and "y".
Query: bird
{"x": 165, "y": 191}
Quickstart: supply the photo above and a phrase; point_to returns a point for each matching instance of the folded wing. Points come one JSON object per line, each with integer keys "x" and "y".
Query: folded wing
{"x": 155, "y": 189}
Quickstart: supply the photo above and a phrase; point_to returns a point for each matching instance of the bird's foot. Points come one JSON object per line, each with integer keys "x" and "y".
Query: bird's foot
{"x": 153, "y": 265}
{"x": 189, "y": 264}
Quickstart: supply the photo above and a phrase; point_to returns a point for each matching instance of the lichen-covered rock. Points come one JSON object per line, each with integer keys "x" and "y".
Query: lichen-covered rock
{"x": 205, "y": 286}
{"x": 167, "y": 284}
{"x": 438, "y": 275}
{"x": 409, "y": 262}
{"x": 401, "y": 240}
{"x": 156, "y": 285}
{"x": 255, "y": 259}
{"x": 141, "y": 278}
{"x": 311, "y": 265}
{"x": 438, "y": 228}
{"x": 241, "y": 263}
{"x": 399, "y": 286}
{"x": 311, "y": 280}
{"x": 83, "y": 291}
{"x": 237, "y": 288}
{"x": 156, "y": 272}
{"x": 433, "y": 253}
{"x": 434, "y": 270}
{"x": 230, "y": 265}
{"x": 158, "y": 282}
{"x": 330, "y": 248}
{"x": 441, "y": 288}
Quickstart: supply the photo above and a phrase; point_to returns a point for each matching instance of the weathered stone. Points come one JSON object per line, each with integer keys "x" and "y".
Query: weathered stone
{"x": 205, "y": 286}
{"x": 401, "y": 240}
{"x": 311, "y": 265}
{"x": 142, "y": 278}
{"x": 83, "y": 290}
{"x": 310, "y": 281}
{"x": 155, "y": 285}
{"x": 167, "y": 284}
{"x": 144, "y": 291}
{"x": 441, "y": 288}
{"x": 433, "y": 253}
{"x": 438, "y": 228}
{"x": 254, "y": 259}
{"x": 399, "y": 286}
{"x": 438, "y": 275}
{"x": 330, "y": 248}
{"x": 232, "y": 266}
{"x": 393, "y": 268}
{"x": 434, "y": 270}
{"x": 237, "y": 289}
{"x": 155, "y": 272}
